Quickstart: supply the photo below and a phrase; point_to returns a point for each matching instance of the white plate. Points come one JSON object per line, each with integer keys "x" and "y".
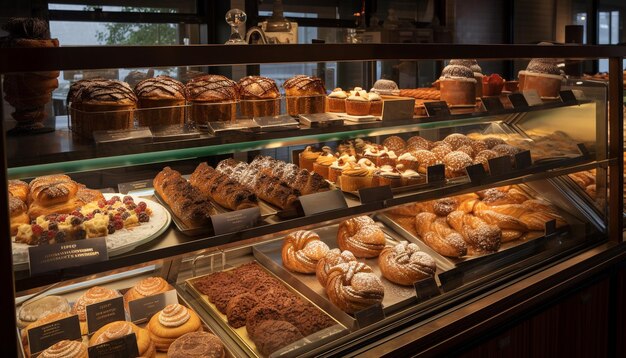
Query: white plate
{"x": 120, "y": 242}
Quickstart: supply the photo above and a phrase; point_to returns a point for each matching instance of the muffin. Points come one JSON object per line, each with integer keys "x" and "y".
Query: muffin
{"x": 307, "y": 157}
{"x": 259, "y": 97}
{"x": 458, "y": 85}
{"x": 338, "y": 166}
{"x": 542, "y": 75}
{"x": 304, "y": 95}
{"x": 337, "y": 101}
{"x": 166, "y": 95}
{"x": 425, "y": 159}
{"x": 213, "y": 98}
{"x": 387, "y": 175}
{"x": 355, "y": 177}
{"x": 358, "y": 104}
{"x": 478, "y": 73}
{"x": 376, "y": 104}
{"x": 323, "y": 162}
{"x": 101, "y": 104}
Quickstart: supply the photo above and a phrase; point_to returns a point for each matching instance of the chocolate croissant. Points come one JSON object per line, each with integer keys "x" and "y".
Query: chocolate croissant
{"x": 222, "y": 189}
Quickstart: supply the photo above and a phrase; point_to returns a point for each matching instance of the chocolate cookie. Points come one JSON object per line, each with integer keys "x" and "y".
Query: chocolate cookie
{"x": 264, "y": 285}
{"x": 221, "y": 298}
{"x": 213, "y": 283}
{"x": 273, "y": 335}
{"x": 238, "y": 308}
{"x": 259, "y": 314}
{"x": 280, "y": 298}
{"x": 307, "y": 318}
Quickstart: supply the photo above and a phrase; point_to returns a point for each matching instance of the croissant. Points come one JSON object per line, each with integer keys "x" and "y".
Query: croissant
{"x": 436, "y": 233}
{"x": 361, "y": 236}
{"x": 332, "y": 258}
{"x": 83, "y": 196}
{"x": 19, "y": 189}
{"x": 480, "y": 237}
{"x": 302, "y": 250}
{"x": 184, "y": 200}
{"x": 503, "y": 221}
{"x": 514, "y": 210}
{"x": 52, "y": 189}
{"x": 299, "y": 179}
{"x": 405, "y": 264}
{"x": 353, "y": 287}
{"x": 221, "y": 188}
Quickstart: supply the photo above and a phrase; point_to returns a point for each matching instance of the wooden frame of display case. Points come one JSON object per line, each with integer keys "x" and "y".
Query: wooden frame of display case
{"x": 72, "y": 58}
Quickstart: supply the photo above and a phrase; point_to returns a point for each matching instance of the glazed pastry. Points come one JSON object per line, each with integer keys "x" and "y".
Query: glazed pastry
{"x": 323, "y": 162}
{"x": 119, "y": 329}
{"x": 503, "y": 221}
{"x": 65, "y": 349}
{"x": 259, "y": 97}
{"x": 437, "y": 234}
{"x": 57, "y": 194}
{"x": 361, "y": 236}
{"x": 212, "y": 98}
{"x": 273, "y": 335}
{"x": 481, "y": 238}
{"x": 185, "y": 200}
{"x": 302, "y": 180}
{"x": 304, "y": 94}
{"x": 39, "y": 308}
{"x": 93, "y": 295}
{"x": 197, "y": 345}
{"x": 222, "y": 189}
{"x": 170, "y": 323}
{"x": 147, "y": 287}
{"x": 405, "y": 264}
{"x": 302, "y": 250}
{"x": 332, "y": 258}
{"x": 160, "y": 101}
{"x": 353, "y": 287}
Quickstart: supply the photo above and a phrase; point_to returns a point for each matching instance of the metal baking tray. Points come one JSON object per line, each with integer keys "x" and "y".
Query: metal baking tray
{"x": 241, "y": 335}
{"x": 396, "y": 296}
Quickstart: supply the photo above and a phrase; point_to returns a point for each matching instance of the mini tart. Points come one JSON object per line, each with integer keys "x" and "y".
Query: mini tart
{"x": 307, "y": 157}
{"x": 170, "y": 323}
{"x": 336, "y": 101}
{"x": 119, "y": 329}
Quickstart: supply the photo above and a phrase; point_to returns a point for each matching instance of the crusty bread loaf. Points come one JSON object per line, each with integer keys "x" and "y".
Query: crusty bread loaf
{"x": 185, "y": 201}
{"x": 222, "y": 189}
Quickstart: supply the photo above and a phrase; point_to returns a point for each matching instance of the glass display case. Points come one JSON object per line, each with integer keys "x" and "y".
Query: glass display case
{"x": 241, "y": 210}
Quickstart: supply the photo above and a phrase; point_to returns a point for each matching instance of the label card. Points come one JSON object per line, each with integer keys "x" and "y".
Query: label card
{"x": 321, "y": 202}
{"x": 523, "y": 160}
{"x": 125, "y": 188}
{"x": 436, "y": 109}
{"x": 137, "y": 135}
{"x": 276, "y": 123}
{"x": 101, "y": 313}
{"x": 500, "y": 165}
{"x": 374, "y": 194}
{"x": 233, "y": 221}
{"x": 476, "y": 173}
{"x": 397, "y": 109}
{"x": 492, "y": 103}
{"x": 143, "y": 308}
{"x": 42, "y": 337}
{"x": 367, "y": 316}
{"x": 583, "y": 149}
{"x": 518, "y": 101}
{"x": 118, "y": 348}
{"x": 320, "y": 120}
{"x": 532, "y": 97}
{"x": 550, "y": 227}
{"x": 46, "y": 258}
{"x": 426, "y": 288}
{"x": 568, "y": 97}
{"x": 436, "y": 173}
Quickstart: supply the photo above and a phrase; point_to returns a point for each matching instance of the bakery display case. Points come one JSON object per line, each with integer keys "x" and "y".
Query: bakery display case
{"x": 283, "y": 218}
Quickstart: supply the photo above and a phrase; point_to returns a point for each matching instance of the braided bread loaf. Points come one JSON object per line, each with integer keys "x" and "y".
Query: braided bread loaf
{"x": 302, "y": 250}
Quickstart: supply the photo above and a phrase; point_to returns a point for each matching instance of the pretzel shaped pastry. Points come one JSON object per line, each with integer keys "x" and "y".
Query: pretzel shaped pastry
{"x": 353, "y": 287}
{"x": 302, "y": 250}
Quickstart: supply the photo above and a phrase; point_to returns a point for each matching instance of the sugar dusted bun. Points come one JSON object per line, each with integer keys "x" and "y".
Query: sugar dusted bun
{"x": 361, "y": 236}
{"x": 65, "y": 349}
{"x": 147, "y": 287}
{"x": 332, "y": 258}
{"x": 352, "y": 287}
{"x": 119, "y": 329}
{"x": 170, "y": 323}
{"x": 405, "y": 264}
{"x": 302, "y": 250}
{"x": 41, "y": 307}
{"x": 93, "y": 295}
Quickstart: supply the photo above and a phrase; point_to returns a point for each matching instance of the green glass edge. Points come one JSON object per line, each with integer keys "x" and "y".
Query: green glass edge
{"x": 190, "y": 153}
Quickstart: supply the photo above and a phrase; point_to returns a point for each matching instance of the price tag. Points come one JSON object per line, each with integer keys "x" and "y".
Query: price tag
{"x": 42, "y": 337}
{"x": 138, "y": 135}
{"x": 437, "y": 109}
{"x": 397, "y": 109}
{"x": 583, "y": 149}
{"x": 142, "y": 309}
{"x": 492, "y": 103}
{"x": 568, "y": 97}
{"x": 118, "y": 348}
{"x": 102, "y": 313}
{"x": 321, "y": 202}
{"x": 372, "y": 314}
{"x": 315, "y": 120}
{"x": 550, "y": 228}
{"x": 234, "y": 221}
{"x": 518, "y": 101}
{"x": 378, "y": 193}
{"x": 476, "y": 173}
{"x": 276, "y": 123}
{"x": 523, "y": 160}
{"x": 436, "y": 173}
{"x": 500, "y": 165}
{"x": 426, "y": 289}
{"x": 140, "y": 185}
{"x": 532, "y": 97}
{"x": 46, "y": 258}
{"x": 451, "y": 279}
